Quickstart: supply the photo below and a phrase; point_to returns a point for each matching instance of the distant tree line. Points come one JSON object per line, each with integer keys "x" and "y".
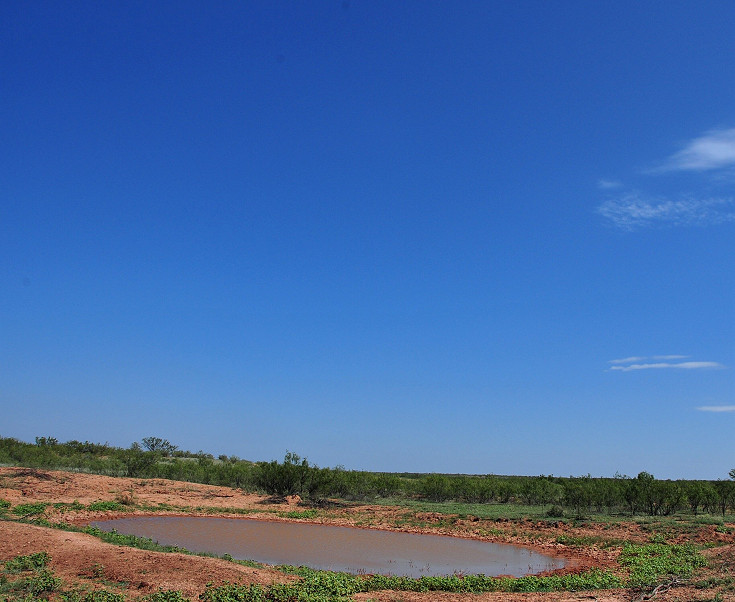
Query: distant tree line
{"x": 573, "y": 496}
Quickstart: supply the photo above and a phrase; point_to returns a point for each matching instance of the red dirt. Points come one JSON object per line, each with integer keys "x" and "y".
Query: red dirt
{"x": 82, "y": 559}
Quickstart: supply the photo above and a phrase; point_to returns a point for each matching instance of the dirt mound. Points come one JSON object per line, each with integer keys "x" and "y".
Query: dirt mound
{"x": 80, "y": 558}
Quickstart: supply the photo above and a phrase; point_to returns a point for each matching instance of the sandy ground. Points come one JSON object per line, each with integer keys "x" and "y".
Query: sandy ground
{"x": 82, "y": 559}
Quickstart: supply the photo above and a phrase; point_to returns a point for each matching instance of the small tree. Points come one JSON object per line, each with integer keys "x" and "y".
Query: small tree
{"x": 696, "y": 495}
{"x": 725, "y": 494}
{"x": 136, "y": 461}
{"x": 158, "y": 445}
{"x": 46, "y": 441}
{"x": 436, "y": 487}
{"x": 578, "y": 493}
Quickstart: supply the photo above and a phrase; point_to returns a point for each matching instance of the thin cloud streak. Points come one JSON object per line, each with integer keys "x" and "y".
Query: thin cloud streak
{"x": 716, "y": 408}
{"x": 634, "y": 210}
{"x": 627, "y": 360}
{"x": 660, "y": 362}
{"x": 666, "y": 365}
{"x": 638, "y": 358}
{"x": 714, "y": 150}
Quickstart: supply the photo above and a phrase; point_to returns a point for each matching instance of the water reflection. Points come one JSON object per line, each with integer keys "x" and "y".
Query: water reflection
{"x": 357, "y": 551}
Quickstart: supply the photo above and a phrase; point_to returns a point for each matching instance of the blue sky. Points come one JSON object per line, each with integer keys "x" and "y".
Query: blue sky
{"x": 480, "y": 237}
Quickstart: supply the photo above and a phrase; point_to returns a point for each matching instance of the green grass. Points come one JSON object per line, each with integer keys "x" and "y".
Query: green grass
{"x": 133, "y": 541}
{"x": 27, "y": 579}
{"x": 580, "y": 541}
{"x": 650, "y": 563}
{"x": 311, "y": 513}
{"x": 462, "y": 510}
{"x": 31, "y": 562}
{"x": 679, "y": 521}
{"x": 68, "y": 507}
{"x": 108, "y": 505}
{"x": 29, "y": 509}
{"x": 168, "y": 595}
{"x": 30, "y": 578}
{"x": 332, "y": 587}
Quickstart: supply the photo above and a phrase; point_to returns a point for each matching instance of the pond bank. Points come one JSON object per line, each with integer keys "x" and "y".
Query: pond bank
{"x": 586, "y": 544}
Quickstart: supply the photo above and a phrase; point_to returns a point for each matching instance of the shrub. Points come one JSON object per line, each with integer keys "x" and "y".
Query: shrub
{"x": 29, "y": 509}
{"x": 555, "y": 512}
{"x": 43, "y": 581}
{"x": 31, "y": 562}
{"x": 284, "y": 479}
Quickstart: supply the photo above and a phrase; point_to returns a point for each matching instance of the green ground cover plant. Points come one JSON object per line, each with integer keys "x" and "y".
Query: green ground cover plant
{"x": 311, "y": 513}
{"x": 26, "y": 577}
{"x": 30, "y": 562}
{"x": 108, "y": 505}
{"x": 29, "y": 509}
{"x": 133, "y": 541}
{"x": 327, "y": 586}
{"x": 648, "y": 564}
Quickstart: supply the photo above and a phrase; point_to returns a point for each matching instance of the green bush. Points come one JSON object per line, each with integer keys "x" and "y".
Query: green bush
{"x": 43, "y": 581}
{"x": 555, "y": 512}
{"x": 285, "y": 478}
{"x": 29, "y": 509}
{"x": 31, "y": 562}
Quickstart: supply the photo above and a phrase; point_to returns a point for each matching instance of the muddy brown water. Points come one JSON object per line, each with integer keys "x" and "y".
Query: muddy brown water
{"x": 326, "y": 547}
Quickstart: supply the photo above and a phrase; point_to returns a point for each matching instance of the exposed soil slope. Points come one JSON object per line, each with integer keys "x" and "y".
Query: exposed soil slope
{"x": 79, "y": 557}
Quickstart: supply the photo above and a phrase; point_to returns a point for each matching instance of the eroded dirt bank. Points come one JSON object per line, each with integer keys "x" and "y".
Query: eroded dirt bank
{"x": 78, "y": 556}
{"x": 82, "y": 558}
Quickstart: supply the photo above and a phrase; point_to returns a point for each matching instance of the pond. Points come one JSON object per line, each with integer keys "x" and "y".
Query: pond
{"x": 347, "y": 549}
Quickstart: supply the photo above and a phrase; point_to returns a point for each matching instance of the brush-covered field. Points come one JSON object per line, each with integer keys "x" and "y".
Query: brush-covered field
{"x": 666, "y": 551}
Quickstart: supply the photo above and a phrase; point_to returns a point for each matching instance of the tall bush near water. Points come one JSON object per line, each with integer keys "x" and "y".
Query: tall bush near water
{"x": 287, "y": 478}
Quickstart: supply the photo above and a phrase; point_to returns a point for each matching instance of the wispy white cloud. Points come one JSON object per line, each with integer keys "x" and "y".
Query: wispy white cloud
{"x": 660, "y": 362}
{"x": 627, "y": 360}
{"x": 638, "y": 358}
{"x": 716, "y": 408}
{"x": 634, "y": 210}
{"x": 664, "y": 365}
{"x": 714, "y": 150}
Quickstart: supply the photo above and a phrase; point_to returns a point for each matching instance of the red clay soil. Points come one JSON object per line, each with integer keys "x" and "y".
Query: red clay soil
{"x": 83, "y": 559}
{"x": 79, "y": 557}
